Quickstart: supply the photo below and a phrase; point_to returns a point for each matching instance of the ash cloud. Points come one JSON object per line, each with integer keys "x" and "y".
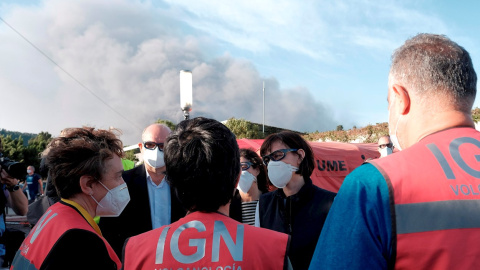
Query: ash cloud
{"x": 130, "y": 55}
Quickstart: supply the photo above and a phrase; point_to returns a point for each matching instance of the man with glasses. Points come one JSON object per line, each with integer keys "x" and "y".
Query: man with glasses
{"x": 152, "y": 201}
{"x": 385, "y": 146}
{"x": 203, "y": 167}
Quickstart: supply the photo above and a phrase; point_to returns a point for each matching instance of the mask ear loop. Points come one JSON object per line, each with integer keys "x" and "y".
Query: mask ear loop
{"x": 91, "y": 195}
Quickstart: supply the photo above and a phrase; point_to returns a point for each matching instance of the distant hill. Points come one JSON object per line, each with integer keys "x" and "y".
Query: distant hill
{"x": 368, "y": 134}
{"x": 15, "y": 134}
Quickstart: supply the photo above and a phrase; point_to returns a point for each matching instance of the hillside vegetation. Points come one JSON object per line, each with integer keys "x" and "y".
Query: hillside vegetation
{"x": 368, "y": 134}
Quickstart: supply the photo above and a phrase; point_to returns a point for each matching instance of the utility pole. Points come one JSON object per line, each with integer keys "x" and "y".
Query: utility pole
{"x": 263, "y": 126}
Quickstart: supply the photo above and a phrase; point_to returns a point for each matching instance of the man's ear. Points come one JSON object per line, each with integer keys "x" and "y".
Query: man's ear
{"x": 86, "y": 184}
{"x": 140, "y": 146}
{"x": 403, "y": 98}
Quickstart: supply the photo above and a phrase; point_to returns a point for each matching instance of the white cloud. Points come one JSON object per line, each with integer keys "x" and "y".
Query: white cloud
{"x": 128, "y": 54}
{"x": 311, "y": 28}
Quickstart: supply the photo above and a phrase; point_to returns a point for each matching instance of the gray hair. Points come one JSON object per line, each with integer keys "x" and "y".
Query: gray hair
{"x": 434, "y": 65}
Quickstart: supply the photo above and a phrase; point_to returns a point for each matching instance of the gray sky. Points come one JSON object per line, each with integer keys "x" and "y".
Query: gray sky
{"x": 324, "y": 63}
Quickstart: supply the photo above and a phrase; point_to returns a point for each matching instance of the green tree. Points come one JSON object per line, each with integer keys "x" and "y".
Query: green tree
{"x": 12, "y": 148}
{"x": 35, "y": 147}
{"x": 243, "y": 128}
{"x": 339, "y": 127}
{"x": 476, "y": 115}
{"x": 130, "y": 155}
{"x": 167, "y": 123}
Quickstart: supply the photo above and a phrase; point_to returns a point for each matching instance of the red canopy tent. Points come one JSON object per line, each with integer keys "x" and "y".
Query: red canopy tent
{"x": 333, "y": 160}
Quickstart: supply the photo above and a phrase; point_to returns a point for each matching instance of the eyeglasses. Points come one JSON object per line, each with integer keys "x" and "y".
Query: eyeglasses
{"x": 153, "y": 145}
{"x": 389, "y": 145}
{"x": 246, "y": 165}
{"x": 277, "y": 155}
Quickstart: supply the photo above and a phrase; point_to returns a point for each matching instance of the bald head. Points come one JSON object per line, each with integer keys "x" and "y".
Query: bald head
{"x": 153, "y": 138}
{"x": 156, "y": 133}
{"x": 384, "y": 140}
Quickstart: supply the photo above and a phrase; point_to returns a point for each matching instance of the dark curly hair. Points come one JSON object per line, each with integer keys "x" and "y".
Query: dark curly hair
{"x": 81, "y": 151}
{"x": 202, "y": 164}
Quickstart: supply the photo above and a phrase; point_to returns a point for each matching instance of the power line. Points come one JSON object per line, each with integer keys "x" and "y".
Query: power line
{"x": 70, "y": 75}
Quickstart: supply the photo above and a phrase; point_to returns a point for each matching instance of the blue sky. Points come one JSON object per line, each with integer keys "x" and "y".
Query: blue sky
{"x": 325, "y": 63}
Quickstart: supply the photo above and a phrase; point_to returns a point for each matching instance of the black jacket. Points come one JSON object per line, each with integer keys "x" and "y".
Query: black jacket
{"x": 136, "y": 217}
{"x": 301, "y": 216}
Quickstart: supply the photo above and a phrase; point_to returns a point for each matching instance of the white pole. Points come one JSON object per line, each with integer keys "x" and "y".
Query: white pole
{"x": 263, "y": 126}
{"x": 186, "y": 98}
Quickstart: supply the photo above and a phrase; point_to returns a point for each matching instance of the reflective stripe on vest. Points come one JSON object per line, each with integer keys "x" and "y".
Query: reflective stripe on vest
{"x": 58, "y": 219}
{"x": 435, "y": 185}
{"x": 209, "y": 240}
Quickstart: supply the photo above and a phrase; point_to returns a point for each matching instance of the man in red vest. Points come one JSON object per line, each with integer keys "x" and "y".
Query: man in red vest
{"x": 418, "y": 208}
{"x": 203, "y": 167}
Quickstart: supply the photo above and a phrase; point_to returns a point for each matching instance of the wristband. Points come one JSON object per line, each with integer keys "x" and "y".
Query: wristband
{"x": 13, "y": 188}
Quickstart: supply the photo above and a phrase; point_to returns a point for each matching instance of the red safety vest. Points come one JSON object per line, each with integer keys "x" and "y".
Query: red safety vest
{"x": 435, "y": 194}
{"x": 206, "y": 241}
{"x": 58, "y": 219}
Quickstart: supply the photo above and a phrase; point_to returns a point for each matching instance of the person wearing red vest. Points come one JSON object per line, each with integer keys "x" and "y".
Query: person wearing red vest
{"x": 417, "y": 208}
{"x": 86, "y": 169}
{"x": 203, "y": 167}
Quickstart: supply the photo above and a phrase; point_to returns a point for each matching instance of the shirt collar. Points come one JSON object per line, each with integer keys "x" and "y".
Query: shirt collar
{"x": 150, "y": 181}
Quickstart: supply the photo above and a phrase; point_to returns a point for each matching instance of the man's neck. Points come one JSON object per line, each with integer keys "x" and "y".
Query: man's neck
{"x": 436, "y": 122}
{"x": 157, "y": 174}
{"x": 224, "y": 209}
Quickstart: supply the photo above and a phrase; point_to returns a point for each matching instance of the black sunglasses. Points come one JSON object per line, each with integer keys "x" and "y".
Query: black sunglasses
{"x": 389, "y": 145}
{"x": 153, "y": 145}
{"x": 277, "y": 155}
{"x": 246, "y": 165}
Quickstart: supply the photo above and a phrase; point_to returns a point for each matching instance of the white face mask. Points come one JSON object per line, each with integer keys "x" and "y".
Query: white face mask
{"x": 385, "y": 151}
{"x": 114, "y": 201}
{"x": 154, "y": 157}
{"x": 393, "y": 137}
{"x": 29, "y": 171}
{"x": 246, "y": 181}
{"x": 280, "y": 173}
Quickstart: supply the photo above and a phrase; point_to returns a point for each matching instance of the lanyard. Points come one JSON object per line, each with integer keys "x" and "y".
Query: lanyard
{"x": 85, "y": 214}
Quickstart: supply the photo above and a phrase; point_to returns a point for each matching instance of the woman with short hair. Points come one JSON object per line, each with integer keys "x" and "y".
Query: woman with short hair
{"x": 297, "y": 207}
{"x": 86, "y": 170}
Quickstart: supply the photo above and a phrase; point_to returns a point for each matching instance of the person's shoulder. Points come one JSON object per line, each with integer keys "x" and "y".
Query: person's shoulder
{"x": 141, "y": 240}
{"x": 132, "y": 173}
{"x": 269, "y": 195}
{"x": 264, "y": 233}
{"x": 323, "y": 192}
{"x": 364, "y": 177}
